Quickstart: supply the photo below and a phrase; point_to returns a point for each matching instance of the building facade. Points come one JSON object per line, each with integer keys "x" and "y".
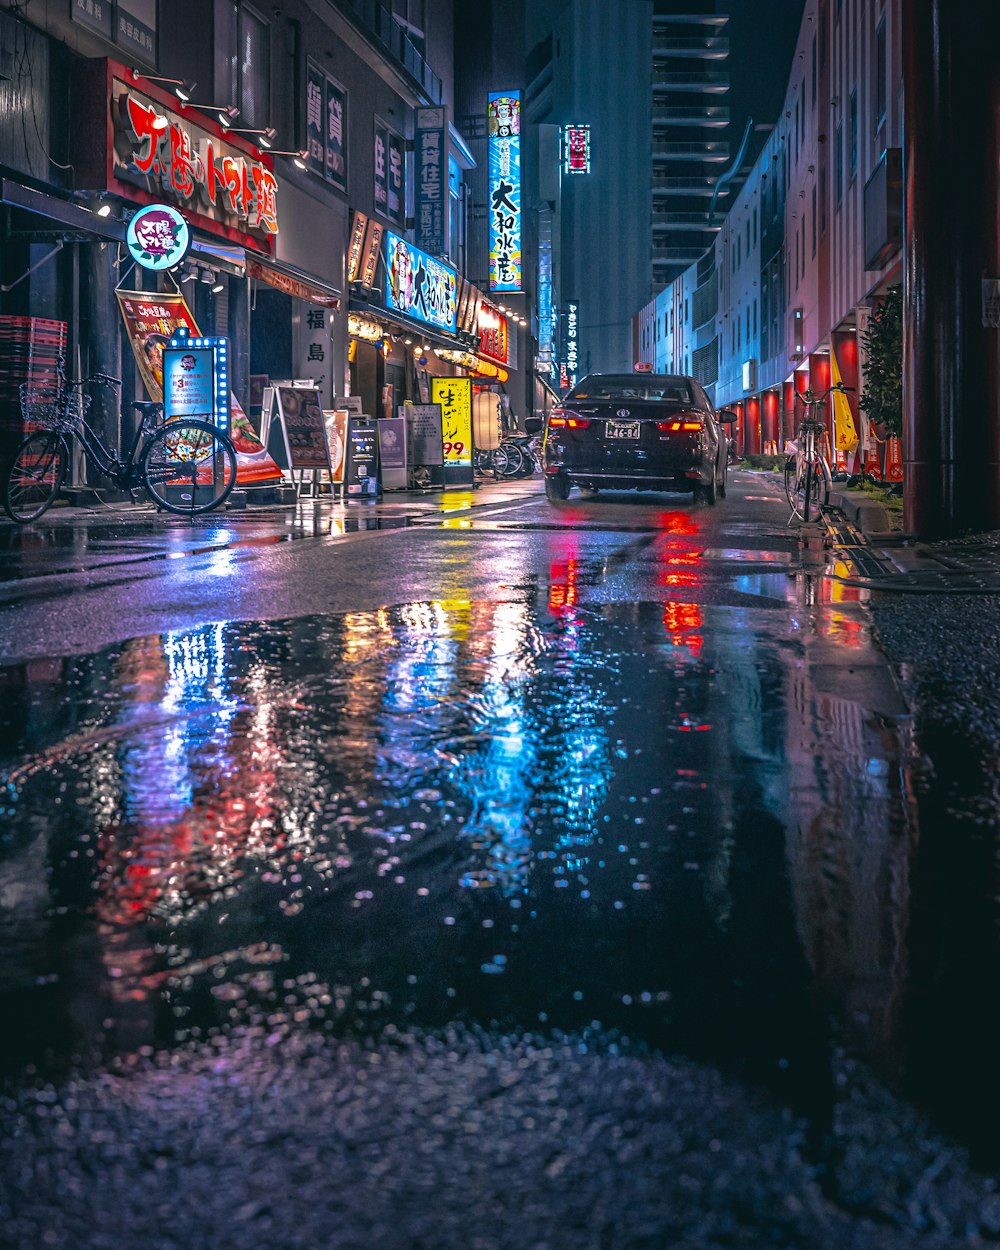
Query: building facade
{"x": 812, "y": 240}
{"x": 308, "y": 147}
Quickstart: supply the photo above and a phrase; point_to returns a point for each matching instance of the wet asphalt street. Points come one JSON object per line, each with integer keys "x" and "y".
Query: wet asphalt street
{"x": 464, "y": 872}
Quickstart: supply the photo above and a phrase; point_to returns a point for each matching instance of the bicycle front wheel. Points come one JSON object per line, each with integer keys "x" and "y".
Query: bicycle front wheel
{"x": 188, "y": 467}
{"x": 36, "y": 476}
{"x": 794, "y": 485}
{"x": 515, "y": 460}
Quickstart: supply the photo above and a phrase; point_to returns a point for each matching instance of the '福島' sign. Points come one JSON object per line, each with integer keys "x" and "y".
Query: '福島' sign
{"x": 419, "y": 286}
{"x": 504, "y": 132}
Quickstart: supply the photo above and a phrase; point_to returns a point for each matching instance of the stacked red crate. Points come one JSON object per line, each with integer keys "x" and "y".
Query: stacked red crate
{"x": 29, "y": 350}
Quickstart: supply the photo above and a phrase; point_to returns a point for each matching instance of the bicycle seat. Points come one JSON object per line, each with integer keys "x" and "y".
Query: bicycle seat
{"x": 146, "y": 406}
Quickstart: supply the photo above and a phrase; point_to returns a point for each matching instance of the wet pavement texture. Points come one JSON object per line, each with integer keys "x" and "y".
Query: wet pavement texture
{"x": 526, "y": 875}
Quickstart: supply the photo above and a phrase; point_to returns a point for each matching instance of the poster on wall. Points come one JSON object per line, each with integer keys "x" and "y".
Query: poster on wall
{"x": 454, "y": 395}
{"x": 151, "y": 320}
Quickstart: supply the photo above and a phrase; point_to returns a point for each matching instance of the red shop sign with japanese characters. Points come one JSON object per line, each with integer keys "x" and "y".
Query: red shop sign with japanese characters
{"x": 492, "y": 333}
{"x": 156, "y": 150}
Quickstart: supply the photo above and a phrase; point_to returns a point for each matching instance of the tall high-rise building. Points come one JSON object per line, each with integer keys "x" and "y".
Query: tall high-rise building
{"x": 649, "y": 79}
{"x": 690, "y": 126}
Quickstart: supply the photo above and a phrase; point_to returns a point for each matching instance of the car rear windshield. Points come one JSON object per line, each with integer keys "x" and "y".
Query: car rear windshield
{"x": 669, "y": 390}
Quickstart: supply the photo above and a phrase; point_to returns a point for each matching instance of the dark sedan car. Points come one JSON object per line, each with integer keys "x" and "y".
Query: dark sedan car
{"x": 636, "y": 431}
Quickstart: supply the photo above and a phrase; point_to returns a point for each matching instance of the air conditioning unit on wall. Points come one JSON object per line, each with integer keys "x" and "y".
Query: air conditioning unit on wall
{"x": 749, "y": 375}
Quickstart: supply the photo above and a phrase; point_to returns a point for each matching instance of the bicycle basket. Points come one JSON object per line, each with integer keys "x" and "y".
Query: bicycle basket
{"x": 45, "y": 407}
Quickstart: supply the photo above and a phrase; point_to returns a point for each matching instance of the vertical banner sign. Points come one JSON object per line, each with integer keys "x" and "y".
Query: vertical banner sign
{"x": 314, "y": 356}
{"x": 355, "y": 248}
{"x": 381, "y": 160}
{"x": 572, "y": 340}
{"x": 97, "y": 14}
{"x": 504, "y": 135}
{"x": 395, "y": 177}
{"x": 137, "y": 28}
{"x": 454, "y": 395}
{"x": 336, "y": 155}
{"x": 315, "y": 81}
{"x": 545, "y": 358}
{"x": 371, "y": 252}
{"x": 430, "y": 161}
{"x": 576, "y": 150}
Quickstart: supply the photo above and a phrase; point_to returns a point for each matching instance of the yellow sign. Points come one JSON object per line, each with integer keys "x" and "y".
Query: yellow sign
{"x": 845, "y": 434}
{"x": 455, "y": 397}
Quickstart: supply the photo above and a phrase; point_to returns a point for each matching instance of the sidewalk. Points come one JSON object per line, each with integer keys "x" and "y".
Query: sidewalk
{"x": 280, "y": 502}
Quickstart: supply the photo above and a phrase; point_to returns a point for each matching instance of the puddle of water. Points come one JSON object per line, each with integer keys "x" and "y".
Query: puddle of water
{"x": 647, "y": 818}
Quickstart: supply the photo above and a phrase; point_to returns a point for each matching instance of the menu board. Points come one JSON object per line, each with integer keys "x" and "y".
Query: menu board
{"x": 336, "y": 437}
{"x": 305, "y": 428}
{"x": 361, "y": 468}
{"x": 425, "y": 434}
{"x": 189, "y": 382}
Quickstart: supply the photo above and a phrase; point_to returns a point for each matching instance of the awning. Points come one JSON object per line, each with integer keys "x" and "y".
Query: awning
{"x": 285, "y": 277}
{"x": 225, "y": 256}
{"x": 74, "y": 219}
{"x": 433, "y": 335}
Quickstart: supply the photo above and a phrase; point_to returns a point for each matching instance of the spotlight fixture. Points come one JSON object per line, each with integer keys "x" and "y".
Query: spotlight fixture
{"x": 264, "y": 137}
{"x": 407, "y": 342}
{"x": 226, "y": 113}
{"x": 189, "y": 275}
{"x": 207, "y": 277}
{"x": 217, "y": 287}
{"x": 183, "y": 87}
{"x": 426, "y": 348}
{"x": 103, "y": 209}
{"x": 298, "y": 158}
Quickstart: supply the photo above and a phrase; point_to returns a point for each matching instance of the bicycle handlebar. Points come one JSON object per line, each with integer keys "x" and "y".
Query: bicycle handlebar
{"x": 809, "y": 398}
{"x": 106, "y": 378}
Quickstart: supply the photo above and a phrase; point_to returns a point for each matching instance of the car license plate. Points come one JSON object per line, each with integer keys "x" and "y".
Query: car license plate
{"x": 622, "y": 429}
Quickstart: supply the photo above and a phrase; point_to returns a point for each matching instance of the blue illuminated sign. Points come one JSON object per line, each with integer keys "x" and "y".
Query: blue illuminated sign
{"x": 504, "y": 135}
{"x": 196, "y": 378}
{"x": 418, "y": 285}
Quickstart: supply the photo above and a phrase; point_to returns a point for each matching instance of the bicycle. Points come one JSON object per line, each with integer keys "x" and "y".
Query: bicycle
{"x": 184, "y": 465}
{"x": 807, "y": 470}
{"x": 505, "y": 460}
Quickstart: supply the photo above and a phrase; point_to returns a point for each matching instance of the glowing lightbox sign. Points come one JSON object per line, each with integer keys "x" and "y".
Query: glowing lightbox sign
{"x": 576, "y": 149}
{"x": 504, "y": 134}
{"x": 418, "y": 285}
{"x": 158, "y": 237}
{"x": 196, "y": 378}
{"x": 572, "y": 340}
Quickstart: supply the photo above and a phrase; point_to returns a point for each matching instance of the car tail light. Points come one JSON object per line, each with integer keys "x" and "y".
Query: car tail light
{"x": 558, "y": 418}
{"x": 672, "y": 427}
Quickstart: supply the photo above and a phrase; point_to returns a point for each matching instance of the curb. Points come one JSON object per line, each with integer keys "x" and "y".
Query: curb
{"x": 868, "y": 515}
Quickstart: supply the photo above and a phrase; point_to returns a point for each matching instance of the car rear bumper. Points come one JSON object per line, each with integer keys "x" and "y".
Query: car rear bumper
{"x": 659, "y": 477}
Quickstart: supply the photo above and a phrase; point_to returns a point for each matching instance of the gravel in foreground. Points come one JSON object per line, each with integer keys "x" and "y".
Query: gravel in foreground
{"x": 471, "y": 1141}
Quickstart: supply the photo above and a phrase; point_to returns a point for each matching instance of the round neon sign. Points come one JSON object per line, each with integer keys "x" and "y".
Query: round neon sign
{"x": 158, "y": 237}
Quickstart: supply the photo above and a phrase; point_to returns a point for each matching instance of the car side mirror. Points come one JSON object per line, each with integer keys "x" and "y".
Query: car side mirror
{"x": 532, "y": 425}
{"x": 726, "y": 416}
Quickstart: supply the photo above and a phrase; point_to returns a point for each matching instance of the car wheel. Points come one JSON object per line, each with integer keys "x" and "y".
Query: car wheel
{"x": 556, "y": 487}
{"x": 708, "y": 493}
{"x": 722, "y": 481}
